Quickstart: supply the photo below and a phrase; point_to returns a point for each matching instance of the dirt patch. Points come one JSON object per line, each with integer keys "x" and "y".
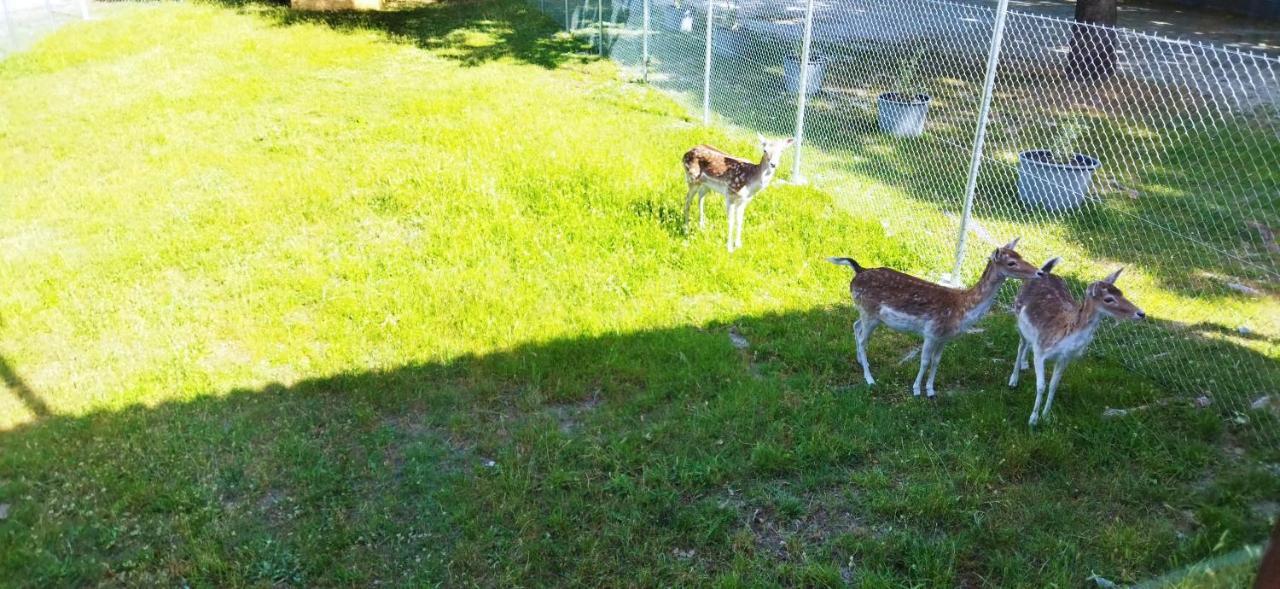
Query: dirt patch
{"x": 569, "y": 416}
{"x": 785, "y": 536}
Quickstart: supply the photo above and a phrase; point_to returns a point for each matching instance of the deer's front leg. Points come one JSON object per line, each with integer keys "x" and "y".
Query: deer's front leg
{"x": 1019, "y": 362}
{"x": 1037, "y": 359}
{"x": 702, "y": 208}
{"x": 742, "y": 216}
{"x": 694, "y": 190}
{"x": 933, "y": 368}
{"x": 731, "y": 212}
{"x": 1058, "y": 368}
{"x": 926, "y": 356}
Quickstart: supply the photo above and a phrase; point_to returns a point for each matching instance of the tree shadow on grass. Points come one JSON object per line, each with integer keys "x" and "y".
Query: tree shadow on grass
{"x": 647, "y": 455}
{"x": 472, "y": 32}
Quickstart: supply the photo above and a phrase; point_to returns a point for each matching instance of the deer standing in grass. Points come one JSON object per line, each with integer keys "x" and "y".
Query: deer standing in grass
{"x": 1053, "y": 326}
{"x": 939, "y": 313}
{"x": 707, "y": 168}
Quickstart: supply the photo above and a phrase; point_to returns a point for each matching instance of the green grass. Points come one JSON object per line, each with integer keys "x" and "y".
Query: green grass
{"x": 405, "y": 298}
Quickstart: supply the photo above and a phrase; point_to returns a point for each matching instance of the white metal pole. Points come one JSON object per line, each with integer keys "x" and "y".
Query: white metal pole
{"x": 600, "y": 24}
{"x": 566, "y": 16}
{"x": 988, "y": 86}
{"x": 706, "y": 68}
{"x": 84, "y": 9}
{"x": 802, "y": 101}
{"x": 644, "y": 44}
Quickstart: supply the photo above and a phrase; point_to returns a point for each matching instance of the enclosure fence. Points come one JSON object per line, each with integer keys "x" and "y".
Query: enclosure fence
{"x": 24, "y": 21}
{"x": 958, "y": 125}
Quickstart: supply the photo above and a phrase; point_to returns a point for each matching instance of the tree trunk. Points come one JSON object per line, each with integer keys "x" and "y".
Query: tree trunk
{"x": 1093, "y": 44}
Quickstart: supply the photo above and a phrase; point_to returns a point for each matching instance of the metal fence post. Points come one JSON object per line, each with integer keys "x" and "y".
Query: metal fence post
{"x": 980, "y": 136}
{"x": 802, "y": 100}
{"x": 644, "y": 44}
{"x": 706, "y": 67}
{"x": 566, "y": 16}
{"x": 84, "y": 9}
{"x": 600, "y": 25}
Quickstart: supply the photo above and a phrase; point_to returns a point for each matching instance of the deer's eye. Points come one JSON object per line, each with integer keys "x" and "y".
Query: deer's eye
{"x": 1011, "y": 264}
{"x": 1109, "y": 300}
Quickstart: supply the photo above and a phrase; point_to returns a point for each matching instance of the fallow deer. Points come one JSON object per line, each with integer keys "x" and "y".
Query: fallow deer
{"x": 707, "y": 168}
{"x": 1053, "y": 326}
{"x": 939, "y": 313}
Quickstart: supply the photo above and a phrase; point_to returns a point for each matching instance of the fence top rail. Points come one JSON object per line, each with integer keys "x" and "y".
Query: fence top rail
{"x": 1272, "y": 59}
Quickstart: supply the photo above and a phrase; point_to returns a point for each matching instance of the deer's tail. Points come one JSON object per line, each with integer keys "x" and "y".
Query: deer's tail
{"x": 850, "y": 262}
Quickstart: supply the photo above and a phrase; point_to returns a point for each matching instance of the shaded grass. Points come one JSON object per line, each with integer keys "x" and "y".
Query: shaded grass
{"x": 318, "y": 305}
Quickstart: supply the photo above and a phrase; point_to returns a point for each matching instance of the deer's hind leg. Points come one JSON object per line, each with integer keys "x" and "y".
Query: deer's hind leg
{"x": 862, "y": 329}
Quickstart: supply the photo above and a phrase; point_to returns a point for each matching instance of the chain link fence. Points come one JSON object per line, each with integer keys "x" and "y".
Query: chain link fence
{"x": 24, "y": 21}
{"x": 960, "y": 125}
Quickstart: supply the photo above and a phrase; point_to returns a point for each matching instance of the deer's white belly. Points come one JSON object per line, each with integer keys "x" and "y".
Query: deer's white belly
{"x": 716, "y": 184}
{"x": 900, "y": 321}
{"x": 1073, "y": 345}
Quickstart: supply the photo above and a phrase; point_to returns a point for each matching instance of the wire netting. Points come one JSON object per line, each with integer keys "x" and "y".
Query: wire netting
{"x": 1105, "y": 146}
{"x": 22, "y": 22}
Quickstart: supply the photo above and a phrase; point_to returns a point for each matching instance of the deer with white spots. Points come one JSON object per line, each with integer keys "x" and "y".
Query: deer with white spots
{"x": 1054, "y": 327}
{"x": 939, "y": 313}
{"x": 739, "y": 180}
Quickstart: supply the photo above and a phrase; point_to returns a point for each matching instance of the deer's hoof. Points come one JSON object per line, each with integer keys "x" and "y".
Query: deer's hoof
{"x": 870, "y": 381}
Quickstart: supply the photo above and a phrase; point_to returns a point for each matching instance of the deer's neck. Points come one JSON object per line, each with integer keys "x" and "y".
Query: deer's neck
{"x": 977, "y": 300}
{"x": 1086, "y": 321}
{"x": 765, "y": 169}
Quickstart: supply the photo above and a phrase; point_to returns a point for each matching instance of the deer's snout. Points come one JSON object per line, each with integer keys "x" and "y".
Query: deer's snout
{"x": 1140, "y": 314}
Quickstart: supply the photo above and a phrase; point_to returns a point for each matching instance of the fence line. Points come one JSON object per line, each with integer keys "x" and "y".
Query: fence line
{"x": 27, "y": 20}
{"x": 951, "y": 121}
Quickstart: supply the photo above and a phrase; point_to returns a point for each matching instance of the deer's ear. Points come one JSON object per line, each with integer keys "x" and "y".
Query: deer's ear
{"x": 1114, "y": 275}
{"x": 761, "y": 139}
{"x": 1012, "y": 244}
{"x": 1048, "y": 266}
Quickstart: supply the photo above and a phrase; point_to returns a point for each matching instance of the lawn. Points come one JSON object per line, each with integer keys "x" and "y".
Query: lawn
{"x": 405, "y": 299}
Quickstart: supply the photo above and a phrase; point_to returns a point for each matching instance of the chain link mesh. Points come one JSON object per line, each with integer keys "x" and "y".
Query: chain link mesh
{"x": 1105, "y": 146}
{"x": 22, "y": 22}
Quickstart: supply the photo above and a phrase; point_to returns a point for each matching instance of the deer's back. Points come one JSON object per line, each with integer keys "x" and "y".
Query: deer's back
{"x": 876, "y": 289}
{"x": 705, "y": 160}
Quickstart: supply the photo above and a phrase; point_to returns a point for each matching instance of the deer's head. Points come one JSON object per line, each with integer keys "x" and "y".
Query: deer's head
{"x": 1011, "y": 265}
{"x": 1111, "y": 301}
{"x": 773, "y": 149}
